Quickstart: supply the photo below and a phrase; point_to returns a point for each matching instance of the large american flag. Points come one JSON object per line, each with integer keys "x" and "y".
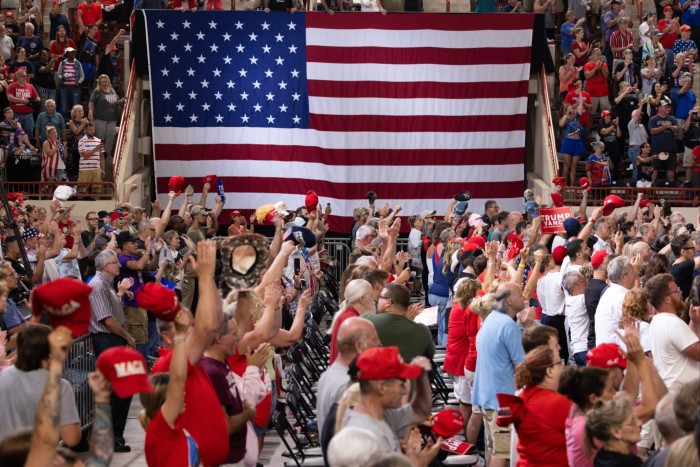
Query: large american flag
{"x": 416, "y": 107}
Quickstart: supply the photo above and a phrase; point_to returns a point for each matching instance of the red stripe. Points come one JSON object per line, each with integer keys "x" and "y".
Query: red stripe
{"x": 429, "y": 190}
{"x": 421, "y": 21}
{"x": 262, "y": 152}
{"x": 405, "y": 124}
{"x": 417, "y": 90}
{"x": 417, "y": 55}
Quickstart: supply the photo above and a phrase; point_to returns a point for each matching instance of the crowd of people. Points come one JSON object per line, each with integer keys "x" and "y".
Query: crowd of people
{"x": 60, "y": 111}
{"x": 580, "y": 348}
{"x": 628, "y": 109}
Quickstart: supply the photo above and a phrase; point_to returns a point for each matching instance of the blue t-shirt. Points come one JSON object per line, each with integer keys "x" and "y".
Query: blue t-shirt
{"x": 499, "y": 345}
{"x": 566, "y": 39}
{"x": 684, "y": 103}
{"x": 691, "y": 15}
{"x": 13, "y": 317}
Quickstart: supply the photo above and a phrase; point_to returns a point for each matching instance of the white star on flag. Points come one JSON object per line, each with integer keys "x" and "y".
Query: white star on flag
{"x": 205, "y": 107}
{"x": 227, "y": 60}
{"x": 161, "y": 47}
{"x": 279, "y": 37}
{"x": 190, "y": 72}
{"x": 256, "y": 84}
{"x": 218, "y": 95}
{"x": 200, "y": 36}
{"x": 201, "y": 58}
{"x": 231, "y": 107}
{"x": 279, "y": 60}
{"x": 214, "y": 48}
{"x": 193, "y": 95}
{"x": 240, "y": 48}
{"x": 282, "y": 85}
{"x": 176, "y": 59}
{"x": 168, "y": 118}
{"x": 292, "y": 26}
{"x": 212, "y": 25}
{"x": 245, "y": 118}
{"x": 295, "y": 74}
{"x": 257, "y": 107}
{"x": 219, "y": 118}
{"x": 193, "y": 118}
{"x": 270, "y": 96}
{"x": 165, "y": 71}
{"x": 266, "y": 49}
{"x": 296, "y": 119}
{"x": 293, "y": 49}
{"x": 230, "y": 84}
{"x": 283, "y": 108}
{"x": 205, "y": 84}
{"x": 253, "y": 60}
{"x": 217, "y": 72}
{"x": 243, "y": 72}
{"x": 253, "y": 36}
{"x": 166, "y": 95}
{"x": 160, "y": 24}
{"x": 265, "y": 26}
{"x": 178, "y": 84}
{"x": 270, "y": 119}
{"x": 180, "y": 107}
{"x": 296, "y": 96}
{"x": 174, "y": 36}
{"x": 239, "y": 25}
{"x": 186, "y": 24}
{"x": 268, "y": 73}
{"x": 227, "y": 37}
{"x": 244, "y": 96}
{"x": 188, "y": 47}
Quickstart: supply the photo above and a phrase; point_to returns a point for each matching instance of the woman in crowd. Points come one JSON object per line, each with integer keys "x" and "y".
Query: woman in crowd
{"x": 104, "y": 111}
{"x": 439, "y": 290}
{"x": 463, "y": 326}
{"x": 23, "y": 162}
{"x": 598, "y": 166}
{"x": 44, "y": 78}
{"x": 615, "y": 424}
{"x": 59, "y": 45}
{"x": 571, "y": 145}
{"x": 580, "y": 49}
{"x": 636, "y": 312}
{"x": 21, "y": 63}
{"x": 584, "y": 386}
{"x": 568, "y": 72}
{"x": 540, "y": 412}
{"x": 76, "y": 130}
{"x": 53, "y": 158}
{"x": 69, "y": 76}
{"x": 650, "y": 75}
{"x": 163, "y": 414}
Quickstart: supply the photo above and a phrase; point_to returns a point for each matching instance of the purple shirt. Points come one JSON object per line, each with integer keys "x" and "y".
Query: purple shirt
{"x": 125, "y": 273}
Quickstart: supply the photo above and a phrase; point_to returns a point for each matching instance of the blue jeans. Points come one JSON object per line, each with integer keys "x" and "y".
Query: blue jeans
{"x": 68, "y": 96}
{"x": 580, "y": 358}
{"x": 27, "y": 122}
{"x": 633, "y": 153}
{"x": 441, "y": 303}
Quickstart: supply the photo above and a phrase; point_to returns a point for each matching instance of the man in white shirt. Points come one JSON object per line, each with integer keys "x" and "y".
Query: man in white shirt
{"x": 551, "y": 297}
{"x": 575, "y": 285}
{"x": 674, "y": 346}
{"x": 602, "y": 231}
{"x": 622, "y": 274}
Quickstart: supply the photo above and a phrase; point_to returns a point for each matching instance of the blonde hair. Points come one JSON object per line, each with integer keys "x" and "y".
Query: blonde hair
{"x": 74, "y": 109}
{"x": 604, "y": 418}
{"x": 450, "y": 248}
{"x": 483, "y": 306}
{"x": 467, "y": 290}
{"x": 634, "y": 305}
{"x": 99, "y": 78}
{"x": 351, "y": 396}
{"x": 152, "y": 401}
{"x": 256, "y": 305}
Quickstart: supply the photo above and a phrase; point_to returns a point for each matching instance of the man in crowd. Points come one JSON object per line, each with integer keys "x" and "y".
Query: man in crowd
{"x": 622, "y": 275}
{"x": 663, "y": 128}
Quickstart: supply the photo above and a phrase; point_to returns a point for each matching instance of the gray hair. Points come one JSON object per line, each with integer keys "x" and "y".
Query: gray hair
{"x": 570, "y": 280}
{"x": 597, "y": 144}
{"x": 103, "y": 258}
{"x": 600, "y": 222}
{"x": 447, "y": 234}
{"x": 353, "y": 446}
{"x": 677, "y": 217}
{"x": 363, "y": 232}
{"x": 145, "y": 225}
{"x": 223, "y": 328}
{"x": 618, "y": 268}
{"x": 49, "y": 101}
{"x": 665, "y": 418}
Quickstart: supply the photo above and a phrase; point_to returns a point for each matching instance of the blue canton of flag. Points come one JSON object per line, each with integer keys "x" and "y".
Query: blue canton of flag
{"x": 207, "y": 72}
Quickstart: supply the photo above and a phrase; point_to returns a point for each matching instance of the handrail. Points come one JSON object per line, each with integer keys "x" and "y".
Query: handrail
{"x": 124, "y": 124}
{"x": 44, "y": 190}
{"x": 551, "y": 141}
{"x": 676, "y": 196}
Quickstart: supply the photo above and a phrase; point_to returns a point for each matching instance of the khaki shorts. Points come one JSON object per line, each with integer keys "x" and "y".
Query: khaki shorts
{"x": 137, "y": 321}
{"x": 688, "y": 158}
{"x": 497, "y": 438}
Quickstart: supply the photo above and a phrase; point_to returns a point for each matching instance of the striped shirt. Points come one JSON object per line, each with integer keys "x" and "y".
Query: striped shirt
{"x": 618, "y": 39}
{"x": 69, "y": 74}
{"x": 87, "y": 144}
{"x": 105, "y": 304}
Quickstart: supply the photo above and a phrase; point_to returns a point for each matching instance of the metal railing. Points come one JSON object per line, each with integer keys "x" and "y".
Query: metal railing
{"x": 80, "y": 362}
{"x": 551, "y": 139}
{"x": 44, "y": 190}
{"x": 120, "y": 143}
{"x": 676, "y": 196}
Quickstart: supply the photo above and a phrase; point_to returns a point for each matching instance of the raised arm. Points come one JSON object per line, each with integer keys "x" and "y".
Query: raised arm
{"x": 175, "y": 396}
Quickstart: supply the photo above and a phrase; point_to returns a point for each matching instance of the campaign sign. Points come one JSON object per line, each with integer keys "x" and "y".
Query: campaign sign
{"x": 553, "y": 219}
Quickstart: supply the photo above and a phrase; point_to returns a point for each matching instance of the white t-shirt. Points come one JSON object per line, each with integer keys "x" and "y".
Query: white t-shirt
{"x": 578, "y": 322}
{"x": 551, "y": 294}
{"x": 669, "y": 337}
{"x": 643, "y": 37}
{"x": 643, "y": 337}
{"x": 609, "y": 313}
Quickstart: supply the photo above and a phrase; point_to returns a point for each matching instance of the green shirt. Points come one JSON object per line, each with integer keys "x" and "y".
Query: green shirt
{"x": 412, "y": 339}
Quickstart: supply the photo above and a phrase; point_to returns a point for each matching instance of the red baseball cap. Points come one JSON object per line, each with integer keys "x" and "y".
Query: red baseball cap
{"x": 598, "y": 258}
{"x": 604, "y": 113}
{"x": 516, "y": 245}
{"x": 475, "y": 241}
{"x": 606, "y": 356}
{"x": 645, "y": 202}
{"x": 557, "y": 199}
{"x": 176, "y": 184}
{"x": 611, "y": 203}
{"x": 385, "y": 363}
{"x": 668, "y": 8}
{"x": 66, "y": 303}
{"x": 210, "y": 179}
{"x": 558, "y": 254}
{"x": 116, "y": 214}
{"x": 235, "y": 213}
{"x": 159, "y": 300}
{"x": 448, "y": 422}
{"x": 584, "y": 183}
{"x": 559, "y": 181}
{"x": 685, "y": 27}
{"x": 125, "y": 369}
{"x": 311, "y": 201}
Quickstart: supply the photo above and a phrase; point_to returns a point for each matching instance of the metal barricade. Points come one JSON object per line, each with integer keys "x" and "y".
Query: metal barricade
{"x": 80, "y": 362}
{"x": 338, "y": 248}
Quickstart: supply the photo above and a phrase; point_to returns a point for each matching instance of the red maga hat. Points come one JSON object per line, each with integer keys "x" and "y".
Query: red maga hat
{"x": 385, "y": 363}
{"x": 66, "y": 303}
{"x": 125, "y": 369}
{"x": 159, "y": 300}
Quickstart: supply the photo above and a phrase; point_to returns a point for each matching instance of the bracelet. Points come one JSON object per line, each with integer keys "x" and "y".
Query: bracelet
{"x": 521, "y": 265}
{"x": 179, "y": 340}
{"x": 286, "y": 255}
{"x": 491, "y": 263}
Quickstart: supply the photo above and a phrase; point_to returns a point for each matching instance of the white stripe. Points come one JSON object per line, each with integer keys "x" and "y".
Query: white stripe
{"x": 419, "y": 38}
{"x": 341, "y": 207}
{"x": 342, "y": 173}
{"x": 339, "y": 139}
{"x": 417, "y": 73}
{"x": 413, "y": 107}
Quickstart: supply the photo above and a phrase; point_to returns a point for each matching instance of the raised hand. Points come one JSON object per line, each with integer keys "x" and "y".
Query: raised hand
{"x": 60, "y": 341}
{"x": 262, "y": 353}
{"x": 205, "y": 263}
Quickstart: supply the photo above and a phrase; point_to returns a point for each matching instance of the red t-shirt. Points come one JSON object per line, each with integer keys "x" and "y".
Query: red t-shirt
{"x": 172, "y": 447}
{"x": 461, "y": 353}
{"x": 580, "y": 61}
{"x": 59, "y": 48}
{"x": 540, "y": 424}
{"x": 22, "y": 92}
{"x": 204, "y": 418}
{"x": 572, "y": 99}
{"x": 596, "y": 85}
{"x": 668, "y": 39}
{"x": 91, "y": 15}
{"x": 349, "y": 312}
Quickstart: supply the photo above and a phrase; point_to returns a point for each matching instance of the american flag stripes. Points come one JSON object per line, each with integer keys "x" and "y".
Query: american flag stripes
{"x": 416, "y": 107}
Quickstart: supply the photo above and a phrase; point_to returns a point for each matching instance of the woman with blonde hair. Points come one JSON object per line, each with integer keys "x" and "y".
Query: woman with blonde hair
{"x": 76, "y": 130}
{"x": 615, "y": 424}
{"x": 103, "y": 111}
{"x": 460, "y": 356}
{"x": 635, "y": 312}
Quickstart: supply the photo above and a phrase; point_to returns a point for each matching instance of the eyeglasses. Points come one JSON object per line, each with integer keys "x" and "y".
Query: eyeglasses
{"x": 691, "y": 247}
{"x": 384, "y": 297}
{"x": 674, "y": 291}
{"x": 93, "y": 218}
{"x": 561, "y": 362}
